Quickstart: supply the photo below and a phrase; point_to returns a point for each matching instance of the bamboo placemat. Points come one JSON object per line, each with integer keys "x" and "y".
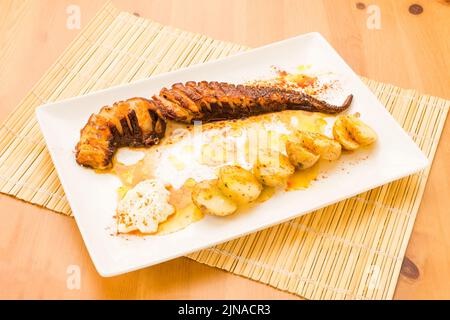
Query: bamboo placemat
{"x": 351, "y": 250}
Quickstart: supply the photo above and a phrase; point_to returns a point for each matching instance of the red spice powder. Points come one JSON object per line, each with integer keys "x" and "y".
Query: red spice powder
{"x": 295, "y": 81}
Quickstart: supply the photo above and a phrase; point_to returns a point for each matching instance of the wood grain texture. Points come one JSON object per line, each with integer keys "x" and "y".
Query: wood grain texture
{"x": 409, "y": 51}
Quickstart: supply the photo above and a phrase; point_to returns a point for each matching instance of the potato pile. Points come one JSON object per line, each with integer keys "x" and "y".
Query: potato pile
{"x": 237, "y": 186}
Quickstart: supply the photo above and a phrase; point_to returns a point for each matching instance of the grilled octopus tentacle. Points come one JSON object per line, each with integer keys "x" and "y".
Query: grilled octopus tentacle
{"x": 210, "y": 101}
{"x": 140, "y": 122}
{"x": 133, "y": 122}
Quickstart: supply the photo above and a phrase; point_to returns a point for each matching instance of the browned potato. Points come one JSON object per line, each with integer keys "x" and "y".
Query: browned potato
{"x": 299, "y": 156}
{"x": 238, "y": 184}
{"x": 361, "y": 132}
{"x": 342, "y": 136}
{"x": 320, "y": 144}
{"x": 272, "y": 168}
{"x": 207, "y": 196}
{"x": 352, "y": 133}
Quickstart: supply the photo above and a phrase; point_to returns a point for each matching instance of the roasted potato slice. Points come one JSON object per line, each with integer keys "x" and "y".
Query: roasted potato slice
{"x": 352, "y": 133}
{"x": 272, "y": 168}
{"x": 299, "y": 156}
{"x": 207, "y": 196}
{"x": 359, "y": 131}
{"x": 238, "y": 184}
{"x": 320, "y": 144}
{"x": 342, "y": 136}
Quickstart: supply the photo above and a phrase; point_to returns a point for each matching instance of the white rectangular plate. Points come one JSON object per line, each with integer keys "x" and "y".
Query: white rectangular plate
{"x": 92, "y": 196}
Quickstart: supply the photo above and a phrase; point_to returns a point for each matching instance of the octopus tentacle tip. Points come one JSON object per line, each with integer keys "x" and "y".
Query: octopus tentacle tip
{"x": 346, "y": 104}
{"x": 348, "y": 101}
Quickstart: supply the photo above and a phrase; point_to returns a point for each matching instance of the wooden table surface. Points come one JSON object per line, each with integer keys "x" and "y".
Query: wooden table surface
{"x": 411, "y": 51}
